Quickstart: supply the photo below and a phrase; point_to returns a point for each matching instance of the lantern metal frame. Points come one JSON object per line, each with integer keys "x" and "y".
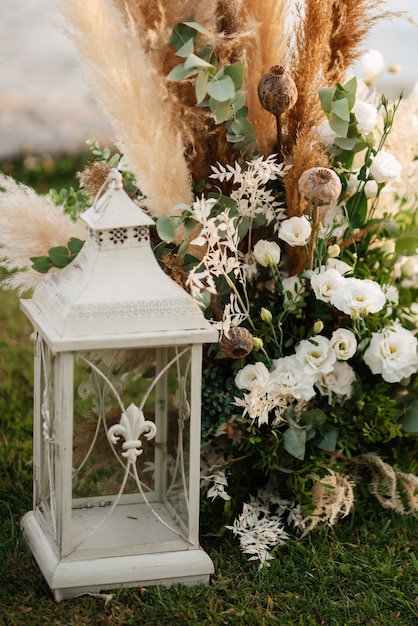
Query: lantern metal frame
{"x": 115, "y": 299}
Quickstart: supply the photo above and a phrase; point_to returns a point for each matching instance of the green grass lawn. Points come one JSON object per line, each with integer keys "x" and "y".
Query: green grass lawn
{"x": 364, "y": 571}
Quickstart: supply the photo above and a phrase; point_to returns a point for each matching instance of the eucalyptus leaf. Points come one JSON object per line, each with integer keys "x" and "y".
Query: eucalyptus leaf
{"x": 350, "y": 88}
{"x": 194, "y": 62}
{"x": 328, "y": 441}
{"x": 338, "y": 125}
{"x": 186, "y": 49}
{"x": 236, "y": 72}
{"x": 221, "y": 111}
{"x": 326, "y": 95}
{"x": 340, "y": 108}
{"x": 201, "y": 85}
{"x": 345, "y": 143}
{"x": 165, "y": 228}
{"x": 180, "y": 71}
{"x": 294, "y": 442}
{"x": 222, "y": 90}
{"x": 314, "y": 417}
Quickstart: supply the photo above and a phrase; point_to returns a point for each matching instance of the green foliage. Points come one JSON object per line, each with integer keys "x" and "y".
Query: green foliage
{"x": 219, "y": 88}
{"x": 58, "y": 257}
{"x": 218, "y": 391}
{"x": 73, "y": 201}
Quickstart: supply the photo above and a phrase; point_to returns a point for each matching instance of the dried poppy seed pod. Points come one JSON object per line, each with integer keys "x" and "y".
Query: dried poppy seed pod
{"x": 319, "y": 186}
{"x": 239, "y": 344}
{"x": 277, "y": 90}
{"x": 277, "y": 93}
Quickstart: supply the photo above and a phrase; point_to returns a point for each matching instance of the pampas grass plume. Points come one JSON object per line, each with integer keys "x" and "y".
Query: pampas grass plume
{"x": 30, "y": 224}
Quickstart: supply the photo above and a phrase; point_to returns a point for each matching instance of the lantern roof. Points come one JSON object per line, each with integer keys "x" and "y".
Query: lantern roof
{"x": 115, "y": 294}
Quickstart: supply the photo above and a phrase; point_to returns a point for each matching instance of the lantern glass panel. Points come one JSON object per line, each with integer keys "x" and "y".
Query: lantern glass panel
{"x": 45, "y": 490}
{"x": 130, "y": 458}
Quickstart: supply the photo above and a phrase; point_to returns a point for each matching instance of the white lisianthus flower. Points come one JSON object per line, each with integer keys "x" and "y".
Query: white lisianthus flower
{"x": 409, "y": 271}
{"x": 358, "y": 295}
{"x": 385, "y": 168}
{"x": 341, "y": 266}
{"x": 315, "y": 355}
{"x": 344, "y": 344}
{"x": 326, "y": 283}
{"x": 290, "y": 378}
{"x": 295, "y": 231}
{"x": 251, "y": 375}
{"x": 392, "y": 294}
{"x": 372, "y": 63}
{"x": 392, "y": 353}
{"x": 366, "y": 116}
{"x": 266, "y": 253}
{"x": 339, "y": 382}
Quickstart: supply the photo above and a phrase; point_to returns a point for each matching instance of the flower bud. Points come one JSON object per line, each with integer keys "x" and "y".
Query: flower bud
{"x": 257, "y": 343}
{"x": 355, "y": 315}
{"x": 266, "y": 316}
{"x": 317, "y": 327}
{"x": 334, "y": 251}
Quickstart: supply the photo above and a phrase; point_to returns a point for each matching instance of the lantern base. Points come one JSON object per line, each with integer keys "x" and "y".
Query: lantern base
{"x": 68, "y": 578}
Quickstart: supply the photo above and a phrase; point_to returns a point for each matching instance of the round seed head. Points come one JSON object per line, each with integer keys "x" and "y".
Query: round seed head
{"x": 319, "y": 186}
{"x": 277, "y": 91}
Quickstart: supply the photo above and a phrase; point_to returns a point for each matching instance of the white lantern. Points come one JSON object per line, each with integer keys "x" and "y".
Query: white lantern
{"x": 118, "y": 358}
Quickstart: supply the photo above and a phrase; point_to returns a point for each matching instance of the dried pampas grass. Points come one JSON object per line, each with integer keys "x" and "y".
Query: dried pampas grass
{"x": 132, "y": 95}
{"x": 30, "y": 224}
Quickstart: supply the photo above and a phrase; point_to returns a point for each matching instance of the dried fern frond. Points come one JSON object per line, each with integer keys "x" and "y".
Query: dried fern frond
{"x": 393, "y": 489}
{"x": 332, "y": 496}
{"x": 132, "y": 95}
{"x": 30, "y": 224}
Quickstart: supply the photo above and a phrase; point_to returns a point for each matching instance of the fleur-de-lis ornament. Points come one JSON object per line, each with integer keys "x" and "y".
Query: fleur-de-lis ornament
{"x": 131, "y": 426}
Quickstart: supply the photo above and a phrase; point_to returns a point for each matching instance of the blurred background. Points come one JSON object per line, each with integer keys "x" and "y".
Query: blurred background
{"x": 46, "y": 108}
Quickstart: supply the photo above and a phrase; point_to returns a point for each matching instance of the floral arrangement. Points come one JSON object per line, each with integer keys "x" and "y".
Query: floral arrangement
{"x": 272, "y": 179}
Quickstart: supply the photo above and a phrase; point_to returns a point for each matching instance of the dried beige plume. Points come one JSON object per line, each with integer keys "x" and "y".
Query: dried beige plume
{"x": 121, "y": 78}
{"x": 393, "y": 489}
{"x": 30, "y": 224}
{"x": 332, "y": 496}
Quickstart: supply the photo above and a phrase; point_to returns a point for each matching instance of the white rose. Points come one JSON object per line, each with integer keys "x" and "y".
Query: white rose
{"x": 339, "y": 382}
{"x": 266, "y": 253}
{"x": 385, "y": 168}
{"x": 344, "y": 343}
{"x": 392, "y": 353}
{"x": 359, "y": 295}
{"x": 295, "y": 231}
{"x": 326, "y": 283}
{"x": 289, "y": 378}
{"x": 252, "y": 375}
{"x": 315, "y": 355}
{"x": 366, "y": 116}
